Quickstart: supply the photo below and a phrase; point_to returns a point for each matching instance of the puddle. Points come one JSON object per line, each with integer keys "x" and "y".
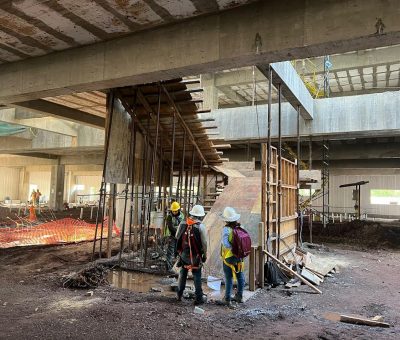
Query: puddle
{"x": 151, "y": 283}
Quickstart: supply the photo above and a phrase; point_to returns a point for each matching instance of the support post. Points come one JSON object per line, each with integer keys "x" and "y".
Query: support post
{"x": 252, "y": 269}
{"x": 298, "y": 175}
{"x": 111, "y": 205}
{"x": 269, "y": 142}
{"x": 261, "y": 248}
{"x": 279, "y": 217}
{"x": 171, "y": 175}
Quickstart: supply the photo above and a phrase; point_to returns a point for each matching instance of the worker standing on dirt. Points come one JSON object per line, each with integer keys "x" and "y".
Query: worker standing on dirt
{"x": 174, "y": 219}
{"x": 33, "y": 197}
{"x": 192, "y": 249}
{"x": 235, "y": 246}
{"x": 37, "y": 197}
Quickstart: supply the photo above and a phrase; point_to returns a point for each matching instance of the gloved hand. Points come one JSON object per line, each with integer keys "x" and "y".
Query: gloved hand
{"x": 203, "y": 258}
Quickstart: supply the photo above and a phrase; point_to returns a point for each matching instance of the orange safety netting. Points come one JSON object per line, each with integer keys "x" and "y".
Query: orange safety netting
{"x": 66, "y": 230}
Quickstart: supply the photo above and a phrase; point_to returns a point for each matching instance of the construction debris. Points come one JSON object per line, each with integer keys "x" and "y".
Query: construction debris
{"x": 363, "y": 321}
{"x": 87, "y": 278}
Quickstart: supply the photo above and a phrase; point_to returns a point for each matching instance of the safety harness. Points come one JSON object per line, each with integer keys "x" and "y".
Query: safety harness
{"x": 189, "y": 238}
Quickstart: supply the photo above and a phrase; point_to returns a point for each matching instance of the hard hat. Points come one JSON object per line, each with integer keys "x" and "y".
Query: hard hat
{"x": 197, "y": 210}
{"x": 175, "y": 206}
{"x": 230, "y": 215}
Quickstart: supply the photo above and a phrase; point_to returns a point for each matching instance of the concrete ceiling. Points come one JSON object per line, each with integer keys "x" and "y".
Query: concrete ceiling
{"x": 353, "y": 73}
{"x": 30, "y": 28}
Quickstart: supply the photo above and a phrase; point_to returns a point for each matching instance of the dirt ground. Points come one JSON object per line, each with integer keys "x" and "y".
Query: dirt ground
{"x": 33, "y": 303}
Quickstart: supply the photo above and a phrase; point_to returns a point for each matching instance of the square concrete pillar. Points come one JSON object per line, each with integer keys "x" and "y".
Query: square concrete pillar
{"x": 210, "y": 100}
{"x": 56, "y": 201}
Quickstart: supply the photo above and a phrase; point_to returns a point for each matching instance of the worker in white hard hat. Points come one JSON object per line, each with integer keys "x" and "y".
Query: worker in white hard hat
{"x": 235, "y": 246}
{"x": 173, "y": 220}
{"x": 192, "y": 249}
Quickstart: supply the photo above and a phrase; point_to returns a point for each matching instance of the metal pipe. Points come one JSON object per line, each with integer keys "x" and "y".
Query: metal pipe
{"x": 152, "y": 170}
{"x": 298, "y": 174}
{"x": 199, "y": 182}
{"x": 279, "y": 166}
{"x": 182, "y": 168}
{"x": 133, "y": 166}
{"x": 171, "y": 176}
{"x": 191, "y": 181}
{"x": 144, "y": 184}
{"x": 160, "y": 175}
{"x": 110, "y": 108}
{"x": 185, "y": 197}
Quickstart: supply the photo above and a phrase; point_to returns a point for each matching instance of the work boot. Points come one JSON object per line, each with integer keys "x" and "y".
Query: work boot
{"x": 238, "y": 298}
{"x": 178, "y": 297}
{"x": 200, "y": 301}
{"x": 224, "y": 302}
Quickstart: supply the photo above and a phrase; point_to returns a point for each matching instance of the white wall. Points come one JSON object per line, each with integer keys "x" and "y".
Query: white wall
{"x": 341, "y": 198}
{"x": 42, "y": 180}
{"x": 90, "y": 180}
{"x": 9, "y": 183}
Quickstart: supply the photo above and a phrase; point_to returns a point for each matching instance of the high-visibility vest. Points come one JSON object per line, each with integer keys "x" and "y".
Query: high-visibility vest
{"x": 227, "y": 252}
{"x": 176, "y": 220}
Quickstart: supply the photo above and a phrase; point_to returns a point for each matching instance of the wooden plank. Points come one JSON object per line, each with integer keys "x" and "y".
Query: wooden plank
{"x": 363, "y": 321}
{"x": 252, "y": 269}
{"x": 261, "y": 261}
{"x": 293, "y": 272}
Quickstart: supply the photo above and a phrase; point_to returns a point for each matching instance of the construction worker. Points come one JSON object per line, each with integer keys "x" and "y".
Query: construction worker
{"x": 37, "y": 197}
{"x": 192, "y": 249}
{"x": 33, "y": 197}
{"x": 232, "y": 265}
{"x": 174, "y": 219}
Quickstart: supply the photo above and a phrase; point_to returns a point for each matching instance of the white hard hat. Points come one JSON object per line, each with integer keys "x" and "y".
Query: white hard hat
{"x": 197, "y": 210}
{"x": 230, "y": 215}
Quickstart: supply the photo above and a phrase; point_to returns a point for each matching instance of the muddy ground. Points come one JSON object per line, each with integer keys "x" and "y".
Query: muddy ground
{"x": 33, "y": 303}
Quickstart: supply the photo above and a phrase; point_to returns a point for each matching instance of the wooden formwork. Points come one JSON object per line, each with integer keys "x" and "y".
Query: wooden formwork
{"x": 279, "y": 201}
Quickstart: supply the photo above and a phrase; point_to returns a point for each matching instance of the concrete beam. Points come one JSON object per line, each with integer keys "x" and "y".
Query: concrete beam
{"x": 21, "y": 161}
{"x": 59, "y": 111}
{"x": 293, "y": 88}
{"x": 370, "y": 115}
{"x": 287, "y": 30}
{"x": 238, "y": 77}
{"x": 44, "y": 123}
{"x": 240, "y": 100}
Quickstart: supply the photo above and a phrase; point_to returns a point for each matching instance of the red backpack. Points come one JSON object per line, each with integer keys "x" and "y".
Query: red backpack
{"x": 241, "y": 242}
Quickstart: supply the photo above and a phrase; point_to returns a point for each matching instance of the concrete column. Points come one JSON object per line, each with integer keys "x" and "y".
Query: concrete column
{"x": 23, "y": 185}
{"x": 57, "y": 187}
{"x": 210, "y": 101}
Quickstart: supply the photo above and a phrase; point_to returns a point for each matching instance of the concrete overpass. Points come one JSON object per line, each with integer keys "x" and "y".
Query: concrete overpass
{"x": 261, "y": 32}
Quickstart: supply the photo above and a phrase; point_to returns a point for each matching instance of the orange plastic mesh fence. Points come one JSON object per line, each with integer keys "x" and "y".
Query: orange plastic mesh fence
{"x": 66, "y": 230}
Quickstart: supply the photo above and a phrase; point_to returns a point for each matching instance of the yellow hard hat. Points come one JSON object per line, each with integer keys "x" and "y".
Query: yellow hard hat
{"x": 175, "y": 206}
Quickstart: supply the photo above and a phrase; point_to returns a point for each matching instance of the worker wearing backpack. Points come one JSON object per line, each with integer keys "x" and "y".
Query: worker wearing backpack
{"x": 235, "y": 246}
{"x": 192, "y": 249}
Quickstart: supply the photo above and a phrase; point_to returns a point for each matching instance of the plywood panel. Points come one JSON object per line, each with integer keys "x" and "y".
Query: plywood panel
{"x": 118, "y": 149}
{"x": 288, "y": 199}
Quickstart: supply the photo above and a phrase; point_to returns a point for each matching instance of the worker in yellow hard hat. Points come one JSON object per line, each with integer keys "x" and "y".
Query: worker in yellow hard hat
{"x": 174, "y": 218}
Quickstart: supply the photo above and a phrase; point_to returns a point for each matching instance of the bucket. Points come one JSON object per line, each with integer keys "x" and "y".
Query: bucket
{"x": 157, "y": 219}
